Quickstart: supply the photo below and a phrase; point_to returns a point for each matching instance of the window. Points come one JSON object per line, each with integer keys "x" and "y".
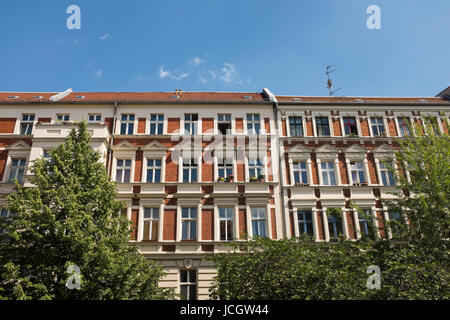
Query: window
{"x": 296, "y": 126}
{"x": 387, "y": 177}
{"x": 395, "y": 223}
{"x": 253, "y": 123}
{"x": 377, "y": 124}
{"x": 350, "y": 126}
{"x": 6, "y": 213}
{"x": 224, "y": 123}
{"x": 364, "y": 226}
{"x": 188, "y": 223}
{"x": 432, "y": 124}
{"x": 322, "y": 126}
{"x": 151, "y": 217}
{"x": 127, "y": 124}
{"x": 403, "y": 125}
{"x": 259, "y": 222}
{"x": 225, "y": 168}
{"x": 300, "y": 173}
{"x": 328, "y": 174}
{"x": 188, "y": 284}
{"x": 334, "y": 226}
{"x": 357, "y": 171}
{"x": 47, "y": 156}
{"x": 305, "y": 223}
{"x": 17, "y": 170}
{"x": 123, "y": 170}
{"x": 156, "y": 124}
{"x": 62, "y": 117}
{"x": 190, "y": 123}
{"x": 226, "y": 224}
{"x": 255, "y": 168}
{"x": 190, "y": 170}
{"x": 94, "y": 118}
{"x": 154, "y": 170}
{"x": 26, "y": 126}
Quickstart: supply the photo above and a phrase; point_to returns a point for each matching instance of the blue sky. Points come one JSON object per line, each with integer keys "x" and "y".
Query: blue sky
{"x": 232, "y": 45}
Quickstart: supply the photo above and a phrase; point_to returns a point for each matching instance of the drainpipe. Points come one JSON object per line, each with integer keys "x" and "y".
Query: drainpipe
{"x": 112, "y": 140}
{"x": 277, "y": 137}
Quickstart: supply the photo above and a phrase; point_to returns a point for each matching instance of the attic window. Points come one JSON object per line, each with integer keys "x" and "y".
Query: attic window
{"x": 358, "y": 100}
{"x": 423, "y": 100}
{"x": 297, "y": 99}
{"x": 38, "y": 97}
{"x": 80, "y": 97}
{"x": 13, "y": 97}
{"x": 248, "y": 97}
{"x": 175, "y": 97}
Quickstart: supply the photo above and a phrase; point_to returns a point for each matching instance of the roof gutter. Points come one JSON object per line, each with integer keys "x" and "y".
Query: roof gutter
{"x": 274, "y": 100}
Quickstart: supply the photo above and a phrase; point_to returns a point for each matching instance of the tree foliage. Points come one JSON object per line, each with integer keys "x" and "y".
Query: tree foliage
{"x": 71, "y": 216}
{"x": 418, "y": 267}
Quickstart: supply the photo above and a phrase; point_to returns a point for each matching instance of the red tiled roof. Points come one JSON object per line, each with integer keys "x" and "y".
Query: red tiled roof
{"x": 139, "y": 97}
{"x": 360, "y": 100}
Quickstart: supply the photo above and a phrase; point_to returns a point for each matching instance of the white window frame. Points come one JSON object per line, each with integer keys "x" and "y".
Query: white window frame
{"x": 95, "y": 115}
{"x": 288, "y": 125}
{"x": 259, "y": 218}
{"x": 351, "y": 170}
{"x": 189, "y": 220}
{"x": 230, "y": 131}
{"x": 253, "y": 122}
{"x": 386, "y": 131}
{"x": 226, "y": 219}
{"x": 64, "y": 115}
{"x": 127, "y": 122}
{"x": 152, "y": 220}
{"x": 294, "y": 170}
{"x": 336, "y": 173}
{"x": 304, "y": 221}
{"x": 262, "y": 167}
{"x": 27, "y": 123}
{"x": 330, "y": 124}
{"x": 156, "y": 123}
{"x": 191, "y": 122}
{"x": 188, "y": 283}
{"x": 11, "y": 167}
{"x": 146, "y": 167}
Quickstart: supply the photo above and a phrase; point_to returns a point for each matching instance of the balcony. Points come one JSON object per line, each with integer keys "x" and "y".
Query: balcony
{"x": 62, "y": 130}
{"x": 225, "y": 188}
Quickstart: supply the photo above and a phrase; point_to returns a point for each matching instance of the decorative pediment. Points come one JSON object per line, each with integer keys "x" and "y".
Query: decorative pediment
{"x": 154, "y": 146}
{"x": 19, "y": 145}
{"x": 298, "y": 148}
{"x": 355, "y": 148}
{"x": 384, "y": 148}
{"x": 124, "y": 146}
{"x": 326, "y": 148}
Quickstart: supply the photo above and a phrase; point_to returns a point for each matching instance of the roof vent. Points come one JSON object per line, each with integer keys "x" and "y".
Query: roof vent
{"x": 358, "y": 100}
{"x": 423, "y": 100}
{"x": 13, "y": 97}
{"x": 175, "y": 97}
{"x": 296, "y": 99}
{"x": 248, "y": 97}
{"x": 80, "y": 97}
{"x": 38, "y": 97}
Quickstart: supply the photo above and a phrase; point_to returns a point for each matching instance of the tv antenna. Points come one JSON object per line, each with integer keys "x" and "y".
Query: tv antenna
{"x": 330, "y": 81}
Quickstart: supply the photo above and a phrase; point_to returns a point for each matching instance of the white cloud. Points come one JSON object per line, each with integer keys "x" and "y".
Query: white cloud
{"x": 195, "y": 61}
{"x": 229, "y": 71}
{"x": 99, "y": 73}
{"x": 103, "y": 37}
{"x": 140, "y": 77}
{"x": 163, "y": 74}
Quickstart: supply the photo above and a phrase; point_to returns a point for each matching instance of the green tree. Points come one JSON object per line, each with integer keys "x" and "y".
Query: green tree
{"x": 418, "y": 267}
{"x": 71, "y": 217}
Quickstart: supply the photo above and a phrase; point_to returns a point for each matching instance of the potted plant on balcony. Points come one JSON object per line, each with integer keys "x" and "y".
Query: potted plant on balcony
{"x": 229, "y": 178}
{"x": 253, "y": 179}
{"x": 261, "y": 178}
{"x": 221, "y": 179}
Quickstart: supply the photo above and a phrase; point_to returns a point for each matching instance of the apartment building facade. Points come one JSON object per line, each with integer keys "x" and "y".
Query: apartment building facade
{"x": 200, "y": 169}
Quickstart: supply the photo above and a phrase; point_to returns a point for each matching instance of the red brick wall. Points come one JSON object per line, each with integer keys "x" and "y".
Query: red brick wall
{"x": 173, "y": 125}
{"x": 444, "y": 126}
{"x": 392, "y": 128}
{"x": 134, "y": 221}
{"x": 141, "y": 125}
{"x": 309, "y": 127}
{"x": 207, "y": 224}
{"x": 267, "y": 124}
{"x": 269, "y": 166}
{"x": 291, "y": 219}
{"x": 207, "y": 171}
{"x": 274, "y": 223}
{"x": 44, "y": 120}
{"x": 242, "y": 222}
{"x": 337, "y": 127}
{"x": 343, "y": 169}
{"x": 208, "y": 125}
{"x": 314, "y": 169}
{"x": 109, "y": 123}
{"x": 138, "y": 167}
{"x": 381, "y": 226}
{"x": 351, "y": 225}
{"x": 372, "y": 168}
{"x": 364, "y": 127}
{"x": 283, "y": 127}
{"x": 171, "y": 169}
{"x": 3, "y": 158}
{"x": 320, "y": 225}
{"x": 240, "y": 172}
{"x": 169, "y": 224}
{"x": 7, "y": 125}
{"x": 239, "y": 125}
